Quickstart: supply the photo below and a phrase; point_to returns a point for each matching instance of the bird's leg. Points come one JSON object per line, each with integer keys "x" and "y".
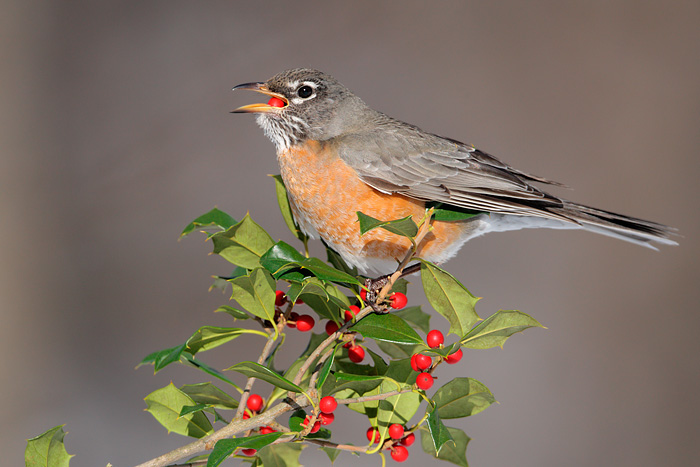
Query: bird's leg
{"x": 375, "y": 286}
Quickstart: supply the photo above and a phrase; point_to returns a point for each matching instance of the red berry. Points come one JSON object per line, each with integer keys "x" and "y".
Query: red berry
{"x": 305, "y": 323}
{"x": 328, "y": 404}
{"x": 354, "y": 309}
{"x": 396, "y": 431}
{"x": 299, "y": 302}
{"x": 356, "y": 354}
{"x": 292, "y": 320}
{"x": 399, "y": 453}
{"x": 326, "y": 418}
{"x": 398, "y": 300}
{"x": 266, "y": 430}
{"x": 255, "y": 402}
{"x": 435, "y": 339}
{"x": 275, "y": 102}
{"x": 317, "y": 424}
{"x": 249, "y": 452}
{"x": 246, "y": 416}
{"x": 363, "y": 295}
{"x": 413, "y": 362}
{"x": 331, "y": 327}
{"x": 373, "y": 433}
{"x": 408, "y": 439}
{"x": 422, "y": 362}
{"x": 280, "y": 298}
{"x": 424, "y": 381}
{"x": 454, "y": 357}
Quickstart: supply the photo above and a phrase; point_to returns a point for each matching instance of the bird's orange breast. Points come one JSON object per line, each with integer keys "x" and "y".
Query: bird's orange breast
{"x": 326, "y": 194}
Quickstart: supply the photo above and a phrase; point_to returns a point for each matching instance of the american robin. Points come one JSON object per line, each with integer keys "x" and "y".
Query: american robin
{"x": 337, "y": 156}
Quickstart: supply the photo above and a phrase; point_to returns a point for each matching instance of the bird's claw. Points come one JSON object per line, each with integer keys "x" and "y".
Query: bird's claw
{"x": 374, "y": 287}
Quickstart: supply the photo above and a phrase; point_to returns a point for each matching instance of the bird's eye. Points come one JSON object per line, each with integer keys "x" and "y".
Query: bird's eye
{"x": 305, "y": 91}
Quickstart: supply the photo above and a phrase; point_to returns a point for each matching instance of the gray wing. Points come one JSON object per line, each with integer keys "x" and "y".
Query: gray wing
{"x": 399, "y": 158}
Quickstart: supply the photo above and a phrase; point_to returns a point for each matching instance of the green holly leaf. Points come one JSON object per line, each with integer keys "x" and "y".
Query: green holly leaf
{"x": 414, "y": 316}
{"x": 387, "y": 327}
{"x": 255, "y": 370}
{"x": 446, "y": 212}
{"x": 398, "y": 350}
{"x": 225, "y": 447}
{"x": 451, "y": 452}
{"x": 497, "y": 328}
{"x": 401, "y": 407}
{"x": 332, "y": 453}
{"x": 200, "y": 365}
{"x": 279, "y": 255}
{"x": 326, "y": 368}
{"x": 405, "y": 227}
{"x": 285, "y": 208}
{"x": 209, "y": 337}
{"x": 243, "y": 243}
{"x": 438, "y": 431}
{"x": 319, "y": 269}
{"x": 209, "y": 394}
{"x": 166, "y": 404}
{"x": 233, "y": 312}
{"x": 462, "y": 397}
{"x": 449, "y": 298}
{"x": 47, "y": 449}
{"x": 163, "y": 358}
{"x": 339, "y": 263}
{"x": 281, "y": 455}
{"x": 256, "y": 293}
{"x": 213, "y": 220}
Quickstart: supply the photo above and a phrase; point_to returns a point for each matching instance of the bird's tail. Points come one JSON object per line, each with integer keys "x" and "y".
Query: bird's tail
{"x": 630, "y": 229}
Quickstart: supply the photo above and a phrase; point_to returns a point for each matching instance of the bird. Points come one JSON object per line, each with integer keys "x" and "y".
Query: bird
{"x": 337, "y": 157}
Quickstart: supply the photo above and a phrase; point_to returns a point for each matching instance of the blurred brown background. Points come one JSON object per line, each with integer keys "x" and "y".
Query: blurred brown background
{"x": 115, "y": 133}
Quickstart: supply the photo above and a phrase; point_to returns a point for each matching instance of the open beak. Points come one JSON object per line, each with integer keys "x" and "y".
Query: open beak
{"x": 262, "y": 88}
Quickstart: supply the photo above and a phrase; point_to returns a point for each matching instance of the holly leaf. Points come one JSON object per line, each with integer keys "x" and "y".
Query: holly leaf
{"x": 321, "y": 270}
{"x": 404, "y": 227}
{"x": 387, "y": 327}
{"x": 339, "y": 263}
{"x": 279, "y": 255}
{"x": 414, "y": 316}
{"x": 209, "y": 370}
{"x": 497, "y": 328}
{"x": 281, "y": 455}
{"x": 233, "y": 312}
{"x": 209, "y": 394}
{"x": 438, "y": 431}
{"x": 209, "y": 337}
{"x": 446, "y": 212}
{"x": 451, "y": 452}
{"x": 462, "y": 397}
{"x": 401, "y": 407}
{"x": 213, "y": 220}
{"x": 225, "y": 447}
{"x": 243, "y": 243}
{"x": 47, "y": 449}
{"x": 162, "y": 358}
{"x": 398, "y": 350}
{"x": 332, "y": 453}
{"x": 449, "y": 298}
{"x": 256, "y": 293}
{"x": 285, "y": 208}
{"x": 255, "y": 370}
{"x": 166, "y": 404}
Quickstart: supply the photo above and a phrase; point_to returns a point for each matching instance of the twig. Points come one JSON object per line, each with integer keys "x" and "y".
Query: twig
{"x": 263, "y": 356}
{"x": 425, "y": 227}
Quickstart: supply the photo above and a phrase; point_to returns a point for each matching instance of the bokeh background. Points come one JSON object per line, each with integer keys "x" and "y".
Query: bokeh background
{"x": 115, "y": 133}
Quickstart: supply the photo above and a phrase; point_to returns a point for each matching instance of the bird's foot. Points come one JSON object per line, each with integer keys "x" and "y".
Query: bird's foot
{"x": 374, "y": 287}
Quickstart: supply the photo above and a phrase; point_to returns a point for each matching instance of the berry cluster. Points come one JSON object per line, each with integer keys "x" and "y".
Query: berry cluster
{"x": 421, "y": 363}
{"x": 398, "y": 442}
{"x": 303, "y": 323}
{"x": 327, "y": 406}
